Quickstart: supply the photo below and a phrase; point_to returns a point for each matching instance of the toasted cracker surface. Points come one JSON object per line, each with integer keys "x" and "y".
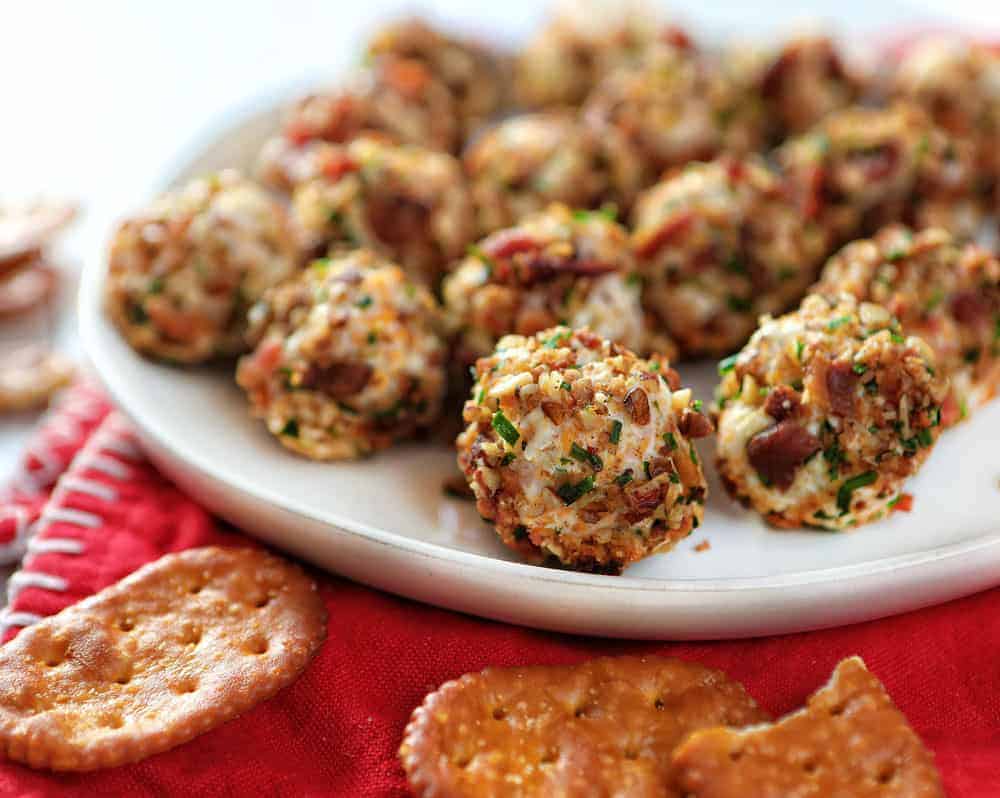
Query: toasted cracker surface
{"x": 30, "y": 376}
{"x": 602, "y": 728}
{"x": 850, "y": 740}
{"x": 179, "y": 647}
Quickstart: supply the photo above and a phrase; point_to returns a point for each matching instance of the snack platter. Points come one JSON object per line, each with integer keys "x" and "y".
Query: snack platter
{"x": 384, "y": 520}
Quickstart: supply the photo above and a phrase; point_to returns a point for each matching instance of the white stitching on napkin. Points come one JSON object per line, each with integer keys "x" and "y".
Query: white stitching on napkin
{"x": 112, "y": 437}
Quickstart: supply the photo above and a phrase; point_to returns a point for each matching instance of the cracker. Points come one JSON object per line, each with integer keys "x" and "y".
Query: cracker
{"x": 26, "y": 288}
{"x": 849, "y": 740}
{"x": 600, "y": 728}
{"x": 29, "y": 376}
{"x": 27, "y": 229}
{"x": 179, "y": 647}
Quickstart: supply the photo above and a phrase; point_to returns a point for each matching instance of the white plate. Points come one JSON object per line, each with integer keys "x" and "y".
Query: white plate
{"x": 386, "y": 522}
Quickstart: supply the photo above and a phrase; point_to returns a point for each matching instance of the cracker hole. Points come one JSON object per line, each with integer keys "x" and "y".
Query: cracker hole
{"x": 195, "y": 589}
{"x": 186, "y": 686}
{"x": 838, "y": 710}
{"x": 126, "y": 624}
{"x": 810, "y": 766}
{"x": 886, "y": 774}
{"x": 53, "y": 662}
{"x": 125, "y": 678}
{"x": 262, "y": 602}
{"x": 631, "y": 753}
{"x": 658, "y": 704}
{"x": 463, "y": 762}
{"x": 257, "y": 645}
{"x": 113, "y": 722}
{"x": 736, "y": 755}
{"x": 191, "y": 636}
{"x": 549, "y": 757}
{"x": 499, "y": 713}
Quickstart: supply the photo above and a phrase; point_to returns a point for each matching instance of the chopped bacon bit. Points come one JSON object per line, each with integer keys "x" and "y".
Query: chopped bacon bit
{"x": 339, "y": 380}
{"x": 509, "y": 242}
{"x": 695, "y": 425}
{"x": 904, "y": 503}
{"x": 703, "y": 546}
{"x": 676, "y": 37}
{"x": 841, "y": 382}
{"x": 670, "y": 228}
{"x": 338, "y": 165}
{"x": 783, "y": 402}
{"x": 777, "y": 452}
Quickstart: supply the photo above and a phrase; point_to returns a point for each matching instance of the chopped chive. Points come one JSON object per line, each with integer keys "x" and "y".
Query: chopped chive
{"x": 675, "y": 478}
{"x": 569, "y": 492}
{"x": 846, "y": 490}
{"x": 896, "y": 338}
{"x": 670, "y": 440}
{"x": 645, "y": 469}
{"x": 859, "y": 368}
{"x": 624, "y": 478}
{"x": 291, "y": 428}
{"x": 728, "y": 364}
{"x": 364, "y": 302}
{"x": 925, "y": 437}
{"x": 504, "y": 428}
{"x": 520, "y": 532}
{"x": 584, "y": 456}
{"x": 482, "y": 257}
{"x": 616, "y": 431}
{"x": 508, "y": 458}
{"x": 799, "y": 346}
{"x": 565, "y": 386}
{"x": 738, "y": 304}
{"x": 481, "y": 396}
{"x": 693, "y": 453}
{"x": 833, "y": 325}
{"x": 372, "y": 337}
{"x": 697, "y": 405}
{"x": 555, "y": 340}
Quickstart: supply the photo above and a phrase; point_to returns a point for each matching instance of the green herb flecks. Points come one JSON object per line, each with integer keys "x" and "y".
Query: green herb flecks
{"x": 291, "y": 428}
{"x": 616, "y": 431}
{"x": 728, "y": 364}
{"x": 846, "y": 491}
{"x": 569, "y": 492}
{"x": 624, "y": 478}
{"x": 584, "y": 456}
{"x": 504, "y": 428}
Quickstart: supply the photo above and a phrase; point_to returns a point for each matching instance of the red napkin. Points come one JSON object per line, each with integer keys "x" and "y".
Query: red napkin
{"x": 336, "y": 730}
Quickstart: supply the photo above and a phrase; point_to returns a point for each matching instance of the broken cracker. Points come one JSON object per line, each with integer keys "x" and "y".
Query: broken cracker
{"x": 26, "y": 288}
{"x": 30, "y": 376}
{"x": 849, "y": 740}
{"x": 599, "y": 728}
{"x": 29, "y": 228}
{"x": 179, "y": 647}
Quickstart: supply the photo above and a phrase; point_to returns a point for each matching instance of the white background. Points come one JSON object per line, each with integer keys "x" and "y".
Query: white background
{"x": 97, "y": 98}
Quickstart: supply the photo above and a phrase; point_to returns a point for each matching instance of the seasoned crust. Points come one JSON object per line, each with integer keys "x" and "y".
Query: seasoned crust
{"x": 579, "y": 451}
{"x": 718, "y": 244}
{"x": 859, "y": 411}
{"x": 604, "y": 727}
{"x": 946, "y": 292}
{"x": 556, "y": 267}
{"x": 348, "y": 358}
{"x": 183, "y": 272}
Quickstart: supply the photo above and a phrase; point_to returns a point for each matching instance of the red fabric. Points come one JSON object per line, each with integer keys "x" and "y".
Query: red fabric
{"x": 336, "y": 730}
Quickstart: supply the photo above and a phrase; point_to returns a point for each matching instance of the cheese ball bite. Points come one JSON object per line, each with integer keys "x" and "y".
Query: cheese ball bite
{"x": 407, "y": 203}
{"x": 183, "y": 272}
{"x": 943, "y": 291}
{"x": 472, "y": 73}
{"x": 526, "y": 162}
{"x": 861, "y": 168}
{"x": 556, "y": 267}
{"x": 348, "y": 358}
{"x": 801, "y": 82}
{"x": 580, "y": 453}
{"x": 717, "y": 245}
{"x": 399, "y": 98}
{"x": 825, "y": 413}
{"x": 579, "y": 46}
{"x": 957, "y": 82}
{"x": 673, "y": 107}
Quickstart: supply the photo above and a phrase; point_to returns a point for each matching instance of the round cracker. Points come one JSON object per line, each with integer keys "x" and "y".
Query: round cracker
{"x": 603, "y": 727}
{"x": 30, "y": 376}
{"x": 30, "y": 228}
{"x": 179, "y": 647}
{"x": 26, "y": 288}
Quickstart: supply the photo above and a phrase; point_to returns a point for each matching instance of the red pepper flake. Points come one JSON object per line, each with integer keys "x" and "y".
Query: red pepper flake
{"x": 672, "y": 227}
{"x": 904, "y": 503}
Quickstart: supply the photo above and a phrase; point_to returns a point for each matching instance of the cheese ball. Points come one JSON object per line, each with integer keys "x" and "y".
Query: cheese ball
{"x": 348, "y": 358}
{"x": 825, "y": 413}
{"x": 717, "y": 245}
{"x": 802, "y": 81}
{"x": 943, "y": 291}
{"x": 861, "y": 168}
{"x": 556, "y": 267}
{"x": 183, "y": 272}
{"x": 580, "y": 45}
{"x": 526, "y": 162}
{"x": 472, "y": 73}
{"x": 673, "y": 107}
{"x": 399, "y": 98}
{"x": 408, "y": 203}
{"x": 579, "y": 452}
{"x": 958, "y": 83}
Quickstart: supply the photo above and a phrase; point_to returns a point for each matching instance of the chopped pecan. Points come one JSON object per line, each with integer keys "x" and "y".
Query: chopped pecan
{"x": 783, "y": 402}
{"x": 637, "y": 404}
{"x": 695, "y": 425}
{"x": 339, "y": 380}
{"x": 777, "y": 452}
